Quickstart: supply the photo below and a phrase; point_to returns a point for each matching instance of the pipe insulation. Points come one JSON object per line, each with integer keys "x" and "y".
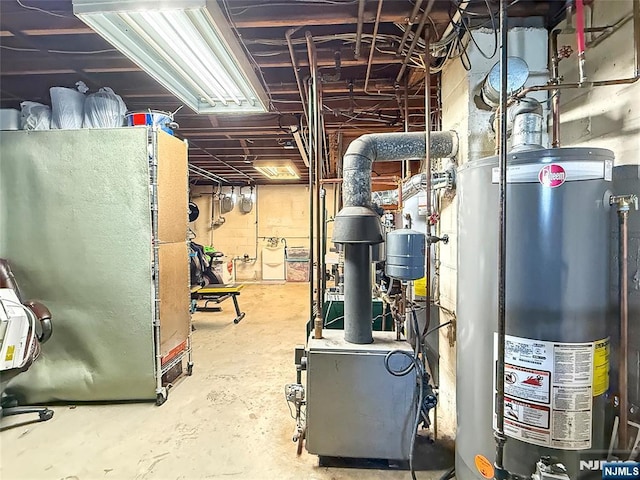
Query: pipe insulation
{"x": 386, "y": 147}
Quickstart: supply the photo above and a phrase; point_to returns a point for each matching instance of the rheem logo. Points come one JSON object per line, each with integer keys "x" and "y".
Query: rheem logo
{"x": 552, "y": 175}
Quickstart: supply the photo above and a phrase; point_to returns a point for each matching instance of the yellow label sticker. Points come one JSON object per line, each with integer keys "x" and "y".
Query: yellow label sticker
{"x": 10, "y": 350}
{"x": 484, "y": 466}
{"x": 601, "y": 367}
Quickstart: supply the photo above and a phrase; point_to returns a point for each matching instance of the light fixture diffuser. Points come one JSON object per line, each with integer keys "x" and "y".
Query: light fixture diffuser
{"x": 277, "y": 170}
{"x": 185, "y": 45}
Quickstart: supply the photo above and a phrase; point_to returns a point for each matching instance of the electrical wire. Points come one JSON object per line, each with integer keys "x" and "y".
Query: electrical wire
{"x": 449, "y": 474}
{"x": 341, "y": 317}
{"x": 245, "y": 9}
{"x": 417, "y": 364}
{"x": 48, "y": 12}
{"x": 493, "y": 27}
{"x": 66, "y": 52}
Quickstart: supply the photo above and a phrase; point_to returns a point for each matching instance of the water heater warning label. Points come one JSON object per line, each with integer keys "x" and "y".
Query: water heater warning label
{"x": 549, "y": 389}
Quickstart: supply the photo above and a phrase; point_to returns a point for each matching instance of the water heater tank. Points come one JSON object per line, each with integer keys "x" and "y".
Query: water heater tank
{"x": 405, "y": 251}
{"x": 557, "y": 277}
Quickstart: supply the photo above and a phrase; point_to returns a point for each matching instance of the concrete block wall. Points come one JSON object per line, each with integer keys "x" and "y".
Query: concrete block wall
{"x": 606, "y": 117}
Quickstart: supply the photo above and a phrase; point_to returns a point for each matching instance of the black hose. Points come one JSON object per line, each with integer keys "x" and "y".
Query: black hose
{"x": 416, "y": 363}
{"x": 437, "y": 327}
{"x": 449, "y": 474}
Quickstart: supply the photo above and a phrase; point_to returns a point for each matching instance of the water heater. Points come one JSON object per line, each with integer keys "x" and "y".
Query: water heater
{"x": 557, "y": 277}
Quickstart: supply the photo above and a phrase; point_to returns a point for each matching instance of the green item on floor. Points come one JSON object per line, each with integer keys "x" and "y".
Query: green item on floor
{"x": 333, "y": 313}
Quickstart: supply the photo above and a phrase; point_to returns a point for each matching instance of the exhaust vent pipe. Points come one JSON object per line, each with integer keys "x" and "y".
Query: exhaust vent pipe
{"x": 358, "y": 227}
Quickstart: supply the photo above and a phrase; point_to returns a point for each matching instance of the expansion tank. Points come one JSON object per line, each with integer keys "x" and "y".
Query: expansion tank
{"x": 557, "y": 284}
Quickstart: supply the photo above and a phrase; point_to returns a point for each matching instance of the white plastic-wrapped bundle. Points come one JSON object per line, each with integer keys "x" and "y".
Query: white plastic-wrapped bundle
{"x": 35, "y": 116}
{"x": 67, "y": 106}
{"x": 104, "y": 109}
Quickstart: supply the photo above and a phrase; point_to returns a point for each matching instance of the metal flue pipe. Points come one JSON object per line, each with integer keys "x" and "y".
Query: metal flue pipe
{"x": 387, "y": 147}
{"x": 358, "y": 227}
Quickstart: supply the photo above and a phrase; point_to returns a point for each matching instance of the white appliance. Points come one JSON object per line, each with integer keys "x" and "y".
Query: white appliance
{"x": 14, "y": 330}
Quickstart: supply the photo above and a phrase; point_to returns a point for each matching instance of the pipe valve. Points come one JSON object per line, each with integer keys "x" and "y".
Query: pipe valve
{"x": 624, "y": 202}
{"x": 431, "y": 239}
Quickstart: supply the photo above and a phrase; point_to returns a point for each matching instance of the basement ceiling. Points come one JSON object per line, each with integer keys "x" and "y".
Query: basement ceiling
{"x": 44, "y": 45}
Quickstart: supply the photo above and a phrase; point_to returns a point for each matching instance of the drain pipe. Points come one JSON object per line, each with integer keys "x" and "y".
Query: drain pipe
{"x": 316, "y": 112}
{"x": 427, "y": 169}
{"x": 359, "y": 28}
{"x": 410, "y": 24}
{"x": 358, "y": 227}
{"x": 499, "y": 435}
{"x": 296, "y": 69}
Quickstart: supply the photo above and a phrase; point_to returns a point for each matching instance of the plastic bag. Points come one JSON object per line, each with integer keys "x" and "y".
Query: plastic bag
{"x": 67, "y": 106}
{"x": 104, "y": 109}
{"x": 35, "y": 116}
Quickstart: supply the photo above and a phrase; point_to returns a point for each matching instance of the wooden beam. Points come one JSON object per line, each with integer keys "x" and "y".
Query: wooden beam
{"x": 272, "y": 16}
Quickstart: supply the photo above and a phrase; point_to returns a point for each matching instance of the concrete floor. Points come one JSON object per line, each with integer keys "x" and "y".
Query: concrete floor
{"x": 228, "y": 420}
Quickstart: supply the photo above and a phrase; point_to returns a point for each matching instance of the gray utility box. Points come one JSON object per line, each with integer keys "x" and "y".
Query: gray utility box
{"x": 355, "y": 408}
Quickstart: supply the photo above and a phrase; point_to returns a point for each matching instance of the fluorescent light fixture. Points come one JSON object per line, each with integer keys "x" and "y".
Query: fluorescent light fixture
{"x": 277, "y": 170}
{"x": 300, "y": 143}
{"x": 185, "y": 45}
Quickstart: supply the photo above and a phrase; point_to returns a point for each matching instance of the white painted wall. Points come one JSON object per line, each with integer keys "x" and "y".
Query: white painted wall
{"x": 606, "y": 117}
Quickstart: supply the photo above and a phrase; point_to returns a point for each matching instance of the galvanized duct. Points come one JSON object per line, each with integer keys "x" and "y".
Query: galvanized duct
{"x": 413, "y": 186}
{"x": 358, "y": 227}
{"x": 386, "y": 147}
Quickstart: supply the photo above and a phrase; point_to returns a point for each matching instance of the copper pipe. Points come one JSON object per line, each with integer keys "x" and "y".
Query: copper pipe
{"x": 602, "y": 83}
{"x": 623, "y": 429}
{"x": 555, "y": 95}
{"x": 414, "y": 13}
{"x": 423, "y": 19}
{"x": 373, "y": 45}
{"x": 359, "y": 28}
{"x": 428, "y": 168}
{"x": 406, "y": 164}
{"x": 623, "y": 203}
{"x": 636, "y": 35}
